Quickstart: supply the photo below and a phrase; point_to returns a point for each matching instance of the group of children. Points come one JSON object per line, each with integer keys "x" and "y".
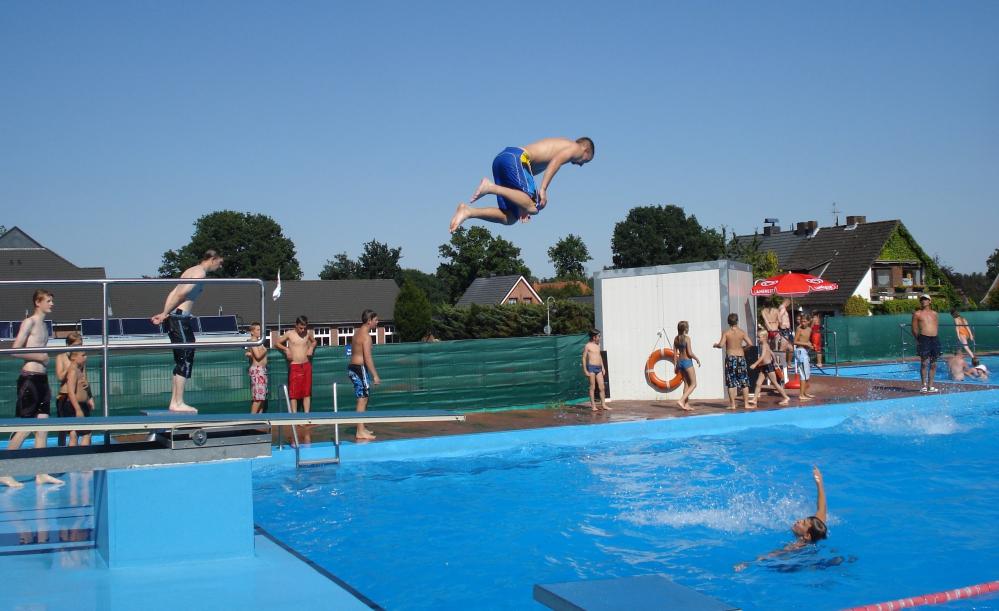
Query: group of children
{"x": 298, "y": 346}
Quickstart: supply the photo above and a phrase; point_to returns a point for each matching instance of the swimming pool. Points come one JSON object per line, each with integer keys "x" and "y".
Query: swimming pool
{"x": 912, "y": 484}
{"x": 910, "y": 371}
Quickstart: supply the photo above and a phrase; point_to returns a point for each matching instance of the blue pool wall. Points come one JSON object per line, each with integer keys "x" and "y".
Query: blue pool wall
{"x": 812, "y": 417}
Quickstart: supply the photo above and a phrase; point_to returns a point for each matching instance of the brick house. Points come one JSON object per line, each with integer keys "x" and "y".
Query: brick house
{"x": 498, "y": 290}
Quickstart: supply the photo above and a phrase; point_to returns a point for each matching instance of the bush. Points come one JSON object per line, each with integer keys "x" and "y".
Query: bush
{"x": 412, "y": 313}
{"x": 521, "y": 320}
{"x": 857, "y": 306}
{"x": 908, "y": 306}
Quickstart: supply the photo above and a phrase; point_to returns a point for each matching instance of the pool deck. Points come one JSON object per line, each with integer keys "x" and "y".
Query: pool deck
{"x": 827, "y": 390}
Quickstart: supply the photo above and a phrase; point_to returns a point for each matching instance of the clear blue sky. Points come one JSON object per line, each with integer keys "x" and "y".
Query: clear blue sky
{"x": 122, "y": 122}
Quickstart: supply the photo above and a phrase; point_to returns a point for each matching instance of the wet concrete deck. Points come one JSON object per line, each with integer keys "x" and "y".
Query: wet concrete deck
{"x": 827, "y": 389}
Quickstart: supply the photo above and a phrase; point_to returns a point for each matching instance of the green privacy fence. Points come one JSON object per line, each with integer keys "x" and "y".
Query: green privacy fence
{"x": 462, "y": 375}
{"x": 872, "y": 338}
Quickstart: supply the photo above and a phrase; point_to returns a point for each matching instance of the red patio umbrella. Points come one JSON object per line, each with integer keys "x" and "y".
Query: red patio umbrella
{"x": 792, "y": 285}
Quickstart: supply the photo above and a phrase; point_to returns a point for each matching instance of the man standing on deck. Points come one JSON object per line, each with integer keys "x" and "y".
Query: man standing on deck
{"x": 33, "y": 393}
{"x": 361, "y": 369}
{"x": 924, "y": 329}
{"x": 177, "y": 314}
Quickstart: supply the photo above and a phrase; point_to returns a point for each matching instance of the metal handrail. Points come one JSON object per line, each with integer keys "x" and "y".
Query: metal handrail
{"x": 105, "y": 346}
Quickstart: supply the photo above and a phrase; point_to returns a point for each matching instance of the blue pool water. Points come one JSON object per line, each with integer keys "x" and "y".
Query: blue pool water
{"x": 909, "y": 371}
{"x": 913, "y": 502}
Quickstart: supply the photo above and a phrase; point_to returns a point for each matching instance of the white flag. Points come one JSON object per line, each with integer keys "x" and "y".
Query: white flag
{"x": 277, "y": 289}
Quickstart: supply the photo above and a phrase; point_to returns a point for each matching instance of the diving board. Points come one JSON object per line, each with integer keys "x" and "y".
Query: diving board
{"x": 169, "y": 421}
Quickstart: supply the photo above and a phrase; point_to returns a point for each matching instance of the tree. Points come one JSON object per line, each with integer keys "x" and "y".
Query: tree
{"x": 472, "y": 253}
{"x": 661, "y": 235}
{"x": 992, "y": 266}
{"x": 254, "y": 246}
{"x": 568, "y": 256}
{"x": 764, "y": 262}
{"x": 377, "y": 262}
{"x": 340, "y": 267}
{"x": 430, "y": 284}
{"x": 413, "y": 313}
{"x": 3, "y": 230}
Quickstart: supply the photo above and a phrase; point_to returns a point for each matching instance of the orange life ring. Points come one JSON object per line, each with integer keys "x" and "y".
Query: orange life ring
{"x": 650, "y": 371}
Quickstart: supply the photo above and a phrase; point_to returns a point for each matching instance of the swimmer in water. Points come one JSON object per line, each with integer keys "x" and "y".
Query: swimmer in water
{"x": 806, "y": 530}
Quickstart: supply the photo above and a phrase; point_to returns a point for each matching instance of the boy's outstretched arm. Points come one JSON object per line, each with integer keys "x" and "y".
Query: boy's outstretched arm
{"x": 820, "y": 509}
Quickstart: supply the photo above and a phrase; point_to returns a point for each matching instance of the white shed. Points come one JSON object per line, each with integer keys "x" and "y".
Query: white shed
{"x": 637, "y": 310}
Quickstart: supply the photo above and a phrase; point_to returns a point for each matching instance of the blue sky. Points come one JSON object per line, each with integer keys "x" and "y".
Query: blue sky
{"x": 123, "y": 122}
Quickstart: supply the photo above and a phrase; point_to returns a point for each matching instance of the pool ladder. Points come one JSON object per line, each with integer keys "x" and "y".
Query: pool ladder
{"x": 299, "y": 463}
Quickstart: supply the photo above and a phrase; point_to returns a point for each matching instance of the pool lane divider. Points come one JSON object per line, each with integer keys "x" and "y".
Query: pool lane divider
{"x": 937, "y": 598}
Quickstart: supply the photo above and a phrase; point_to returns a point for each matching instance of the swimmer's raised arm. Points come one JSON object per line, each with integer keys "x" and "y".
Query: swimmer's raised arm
{"x": 820, "y": 509}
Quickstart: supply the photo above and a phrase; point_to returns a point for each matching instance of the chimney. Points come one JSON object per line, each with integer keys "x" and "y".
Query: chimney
{"x": 801, "y": 229}
{"x": 812, "y": 226}
{"x": 771, "y": 230}
{"x": 856, "y": 220}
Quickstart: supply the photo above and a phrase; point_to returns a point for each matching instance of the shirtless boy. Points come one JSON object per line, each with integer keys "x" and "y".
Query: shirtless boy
{"x": 63, "y": 367}
{"x": 925, "y": 329}
{"x": 298, "y": 346}
{"x": 806, "y": 530}
{"x": 802, "y": 362}
{"x": 177, "y": 314}
{"x": 736, "y": 369}
{"x": 33, "y": 393}
{"x": 513, "y": 185}
{"x": 593, "y": 369}
{"x": 767, "y": 369}
{"x": 257, "y": 355}
{"x": 361, "y": 364}
{"x": 74, "y": 400}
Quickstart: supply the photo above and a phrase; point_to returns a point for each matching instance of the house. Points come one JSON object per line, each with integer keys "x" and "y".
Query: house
{"x": 498, "y": 290}
{"x": 877, "y": 261}
{"x": 333, "y": 306}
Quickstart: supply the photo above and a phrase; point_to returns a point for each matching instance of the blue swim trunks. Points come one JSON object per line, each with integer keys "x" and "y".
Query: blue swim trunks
{"x": 358, "y": 374}
{"x": 594, "y": 369}
{"x": 512, "y": 168}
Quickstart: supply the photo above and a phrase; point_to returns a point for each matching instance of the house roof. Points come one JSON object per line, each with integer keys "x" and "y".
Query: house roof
{"x": 842, "y": 255}
{"x": 782, "y": 243}
{"x": 323, "y": 301}
{"x": 492, "y": 291}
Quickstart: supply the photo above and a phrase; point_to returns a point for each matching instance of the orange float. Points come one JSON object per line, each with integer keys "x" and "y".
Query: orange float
{"x": 661, "y": 354}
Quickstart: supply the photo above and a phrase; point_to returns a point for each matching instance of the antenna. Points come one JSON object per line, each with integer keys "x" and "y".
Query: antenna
{"x": 836, "y": 212}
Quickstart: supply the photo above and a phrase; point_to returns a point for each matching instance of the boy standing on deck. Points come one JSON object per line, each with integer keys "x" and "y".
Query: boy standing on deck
{"x": 736, "y": 369}
{"x": 361, "y": 363}
{"x": 802, "y": 363}
{"x": 257, "y": 356}
{"x": 33, "y": 393}
{"x": 925, "y": 327}
{"x": 593, "y": 369}
{"x": 74, "y": 400}
{"x": 298, "y": 346}
{"x": 514, "y": 170}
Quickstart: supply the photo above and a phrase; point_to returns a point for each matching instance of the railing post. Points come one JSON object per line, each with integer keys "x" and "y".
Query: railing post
{"x": 105, "y": 377}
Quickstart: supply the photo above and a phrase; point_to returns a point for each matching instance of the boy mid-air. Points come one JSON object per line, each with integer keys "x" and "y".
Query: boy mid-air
{"x": 513, "y": 185}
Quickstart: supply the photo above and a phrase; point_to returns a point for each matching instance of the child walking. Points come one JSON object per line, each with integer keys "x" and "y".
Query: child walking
{"x": 683, "y": 362}
{"x": 767, "y": 369}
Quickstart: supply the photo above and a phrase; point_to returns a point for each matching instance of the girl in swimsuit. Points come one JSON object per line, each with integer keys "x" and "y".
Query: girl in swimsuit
{"x": 683, "y": 362}
{"x": 964, "y": 334}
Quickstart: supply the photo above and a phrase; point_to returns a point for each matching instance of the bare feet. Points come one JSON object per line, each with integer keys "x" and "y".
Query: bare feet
{"x": 683, "y": 405}
{"x": 805, "y": 398}
{"x": 481, "y": 190}
{"x": 45, "y": 478}
{"x": 731, "y": 407}
{"x": 460, "y": 214}
{"x": 594, "y": 408}
{"x": 10, "y": 482}
{"x": 183, "y": 408}
{"x": 364, "y": 436}
{"x": 604, "y": 407}
{"x": 784, "y": 401}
